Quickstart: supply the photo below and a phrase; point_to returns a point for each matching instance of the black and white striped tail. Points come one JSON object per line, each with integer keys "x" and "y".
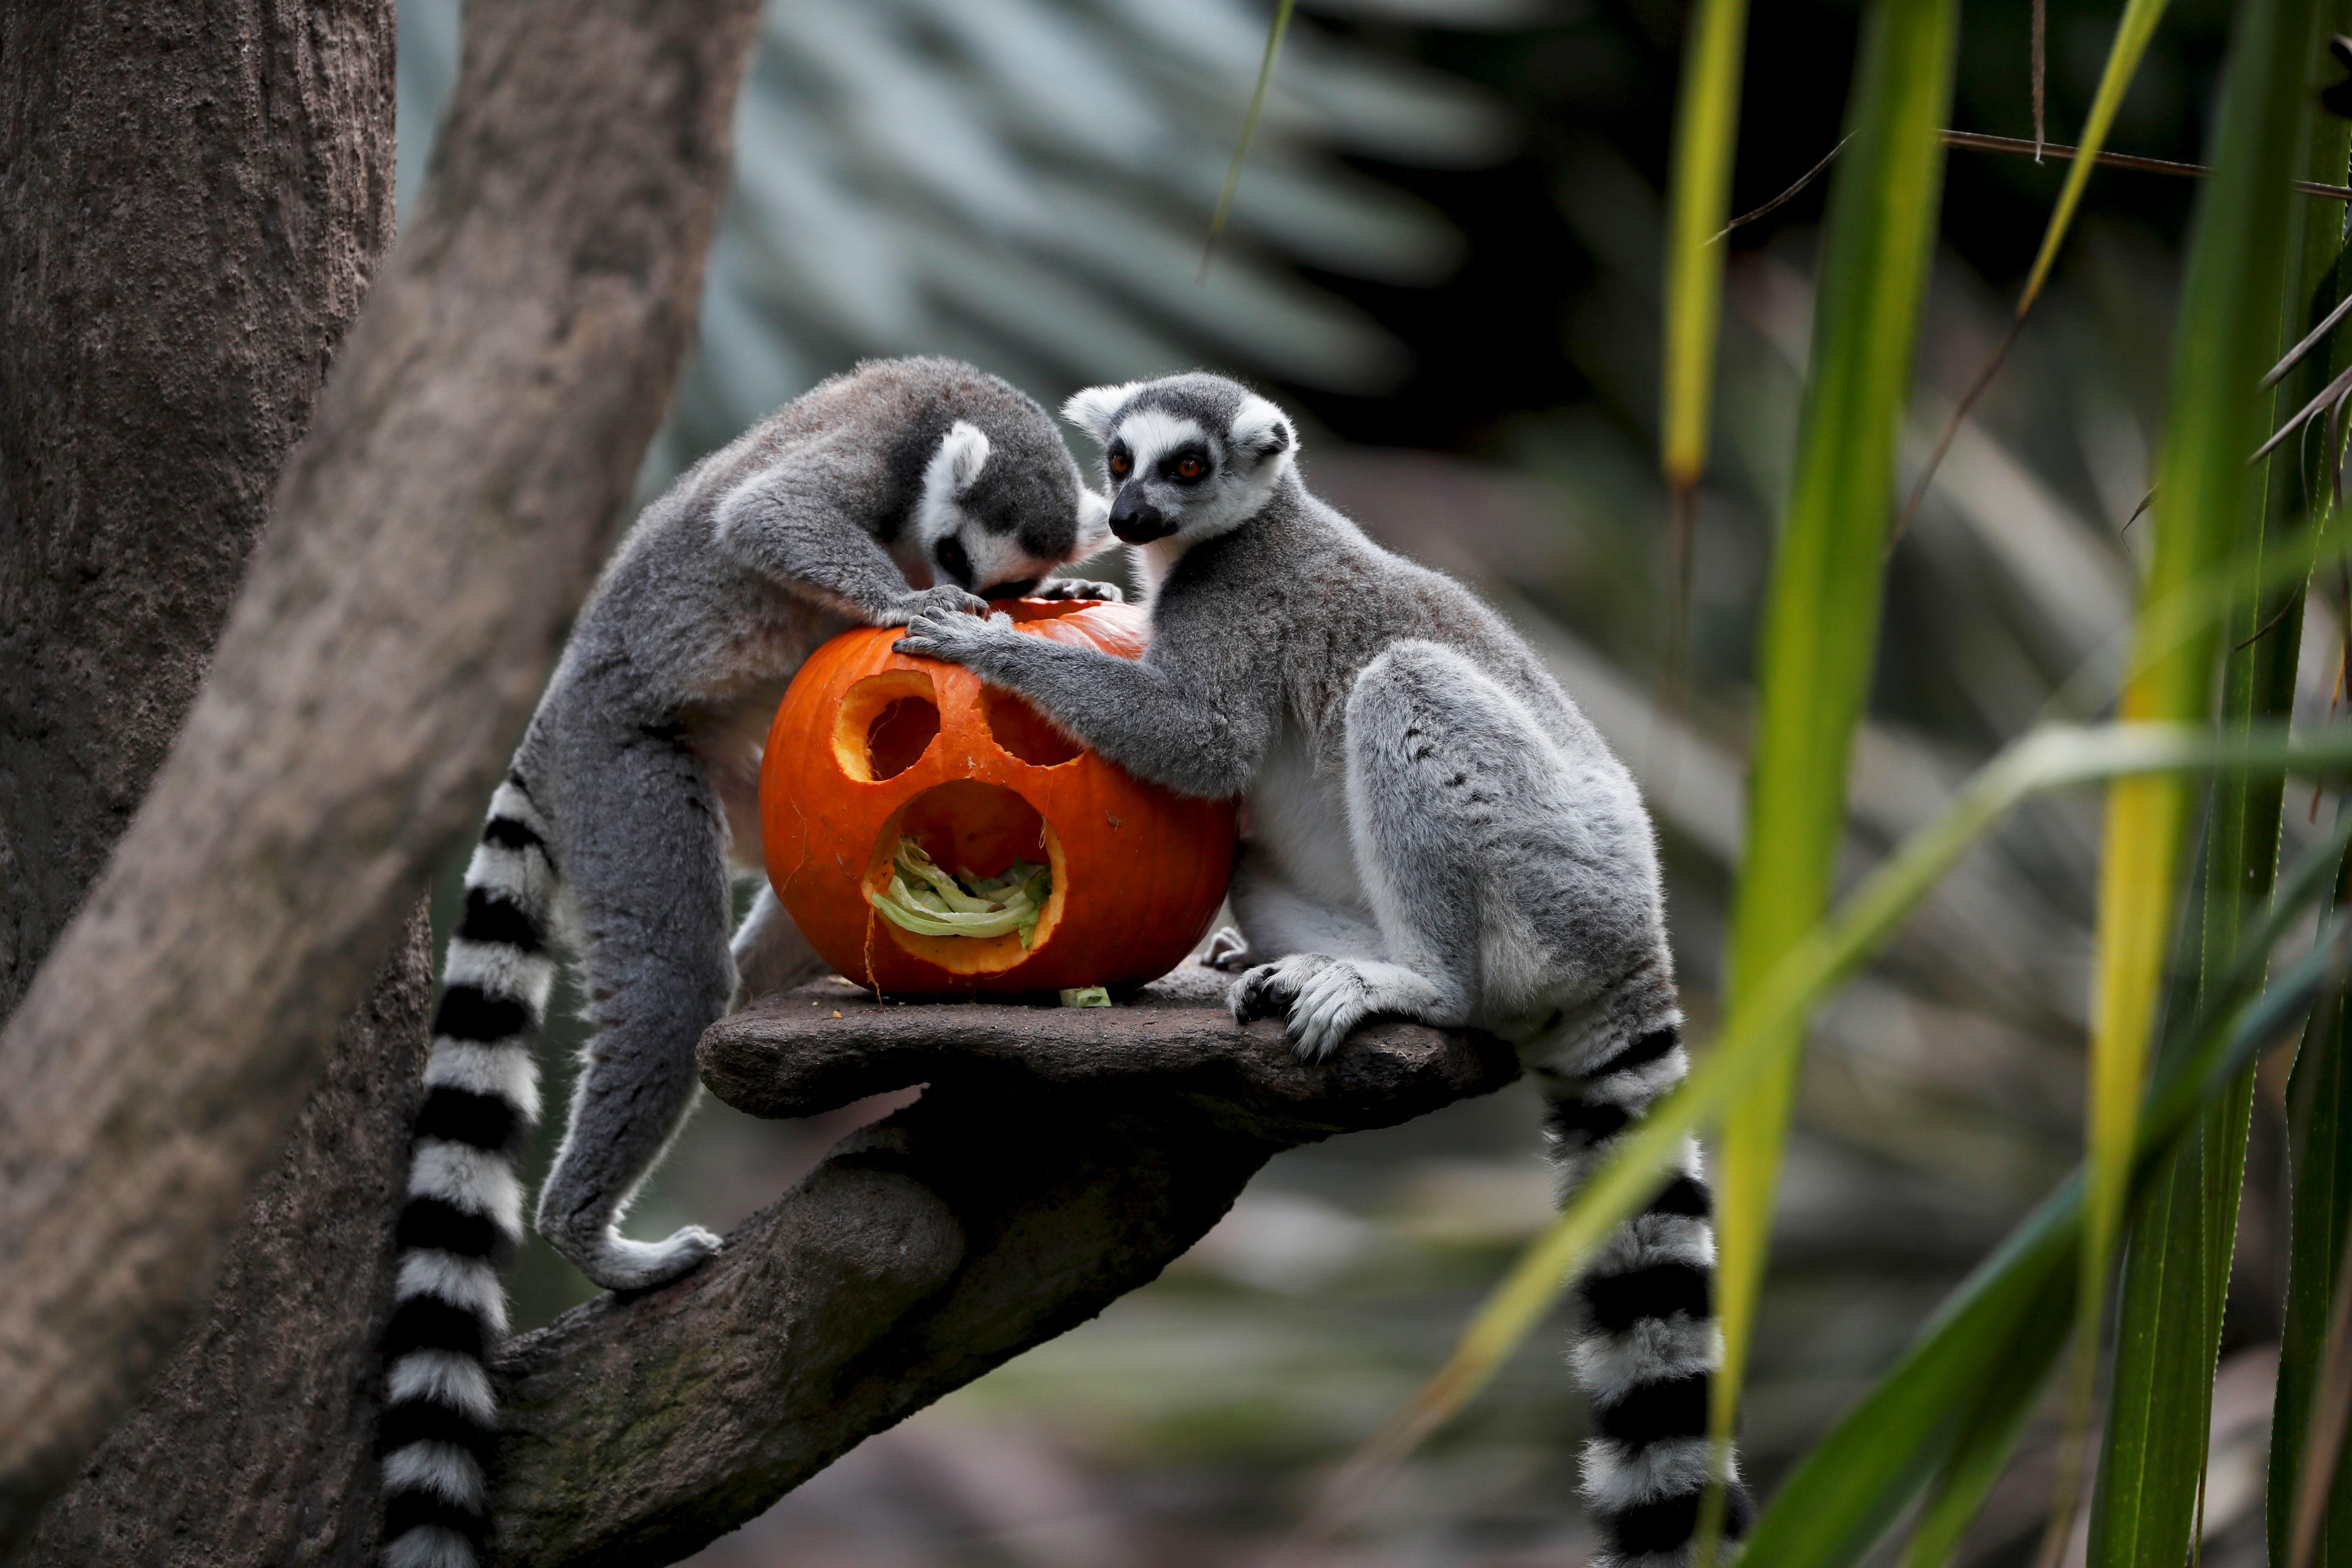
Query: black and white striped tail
{"x": 1650, "y": 1346}
{"x": 464, "y": 1216}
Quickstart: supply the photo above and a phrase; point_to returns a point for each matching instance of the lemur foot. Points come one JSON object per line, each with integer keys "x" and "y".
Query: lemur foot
{"x": 1079, "y": 588}
{"x": 1322, "y": 999}
{"x": 616, "y": 1263}
{"x": 1228, "y": 951}
{"x": 944, "y": 600}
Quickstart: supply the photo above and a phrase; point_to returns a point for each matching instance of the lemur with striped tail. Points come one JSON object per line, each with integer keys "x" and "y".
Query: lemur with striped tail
{"x": 908, "y": 487}
{"x": 1433, "y": 831}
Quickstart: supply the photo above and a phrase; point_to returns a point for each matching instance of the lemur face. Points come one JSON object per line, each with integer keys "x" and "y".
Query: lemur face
{"x": 1187, "y": 456}
{"x": 998, "y": 529}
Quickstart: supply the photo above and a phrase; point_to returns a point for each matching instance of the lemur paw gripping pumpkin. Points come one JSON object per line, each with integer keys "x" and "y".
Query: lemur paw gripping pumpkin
{"x": 932, "y": 835}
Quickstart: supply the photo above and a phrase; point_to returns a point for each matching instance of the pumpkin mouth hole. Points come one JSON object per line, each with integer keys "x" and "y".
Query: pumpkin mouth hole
{"x": 1022, "y": 730}
{"x": 885, "y": 724}
{"x": 979, "y": 828}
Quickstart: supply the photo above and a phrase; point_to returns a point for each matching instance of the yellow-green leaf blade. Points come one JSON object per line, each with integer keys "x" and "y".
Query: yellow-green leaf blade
{"x": 1822, "y": 616}
{"x": 2227, "y": 329}
{"x": 1707, "y": 125}
{"x": 2177, "y": 1259}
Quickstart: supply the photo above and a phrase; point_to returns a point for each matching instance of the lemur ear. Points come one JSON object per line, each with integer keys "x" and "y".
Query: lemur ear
{"x": 1094, "y": 522}
{"x": 1093, "y": 409}
{"x": 964, "y": 452}
{"x": 1261, "y": 430}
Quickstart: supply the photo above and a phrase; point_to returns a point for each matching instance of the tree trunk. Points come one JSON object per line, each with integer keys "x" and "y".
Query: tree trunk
{"x": 253, "y": 1444}
{"x": 431, "y": 540}
{"x": 194, "y": 194}
{"x": 194, "y": 197}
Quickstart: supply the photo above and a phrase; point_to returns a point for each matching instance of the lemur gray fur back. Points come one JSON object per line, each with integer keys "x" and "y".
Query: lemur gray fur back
{"x": 896, "y": 489}
{"x": 1435, "y": 831}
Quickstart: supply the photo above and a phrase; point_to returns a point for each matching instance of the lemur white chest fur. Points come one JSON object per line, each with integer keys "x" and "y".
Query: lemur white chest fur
{"x": 1297, "y": 820}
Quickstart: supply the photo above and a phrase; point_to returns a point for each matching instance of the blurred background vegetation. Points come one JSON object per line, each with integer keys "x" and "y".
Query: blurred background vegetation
{"x": 1445, "y": 256}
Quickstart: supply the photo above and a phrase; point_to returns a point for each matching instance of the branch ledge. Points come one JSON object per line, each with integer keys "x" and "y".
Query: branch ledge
{"x": 1058, "y": 1159}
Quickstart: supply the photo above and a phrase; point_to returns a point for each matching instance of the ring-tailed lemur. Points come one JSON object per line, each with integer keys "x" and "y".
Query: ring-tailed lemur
{"x": 1435, "y": 832}
{"x": 900, "y": 488}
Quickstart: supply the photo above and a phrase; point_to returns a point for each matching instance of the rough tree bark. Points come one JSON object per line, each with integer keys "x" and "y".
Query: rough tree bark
{"x": 470, "y": 459}
{"x": 252, "y": 1444}
{"x": 194, "y": 194}
{"x": 194, "y": 197}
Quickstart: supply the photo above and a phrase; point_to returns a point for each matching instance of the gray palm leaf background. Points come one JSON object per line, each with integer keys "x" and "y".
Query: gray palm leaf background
{"x": 1027, "y": 183}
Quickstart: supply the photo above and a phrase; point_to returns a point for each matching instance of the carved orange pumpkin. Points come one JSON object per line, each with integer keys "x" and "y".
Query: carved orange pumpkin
{"x": 870, "y": 745}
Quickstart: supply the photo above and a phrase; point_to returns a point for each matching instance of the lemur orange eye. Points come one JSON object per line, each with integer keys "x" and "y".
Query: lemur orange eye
{"x": 1190, "y": 468}
{"x": 1119, "y": 465}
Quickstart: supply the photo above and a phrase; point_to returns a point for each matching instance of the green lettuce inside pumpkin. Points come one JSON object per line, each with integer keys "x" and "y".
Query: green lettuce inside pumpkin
{"x": 924, "y": 898}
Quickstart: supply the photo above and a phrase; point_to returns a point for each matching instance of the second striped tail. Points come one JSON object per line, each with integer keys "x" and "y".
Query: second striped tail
{"x": 463, "y": 1219}
{"x": 1650, "y": 1347}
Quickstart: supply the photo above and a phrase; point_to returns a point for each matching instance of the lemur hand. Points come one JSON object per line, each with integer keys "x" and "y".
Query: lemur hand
{"x": 1079, "y": 588}
{"x": 946, "y": 599}
{"x": 957, "y": 638}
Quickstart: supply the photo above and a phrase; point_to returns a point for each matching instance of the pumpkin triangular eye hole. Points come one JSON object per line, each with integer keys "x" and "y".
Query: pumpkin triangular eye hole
{"x": 886, "y": 723}
{"x": 900, "y": 736}
{"x": 1023, "y": 731}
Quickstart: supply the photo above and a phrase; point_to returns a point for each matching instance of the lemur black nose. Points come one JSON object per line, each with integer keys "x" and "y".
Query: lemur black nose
{"x": 1137, "y": 521}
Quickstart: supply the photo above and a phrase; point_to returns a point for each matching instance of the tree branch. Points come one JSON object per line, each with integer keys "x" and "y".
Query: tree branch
{"x": 254, "y": 1445}
{"x": 461, "y": 481}
{"x": 1058, "y": 1160}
